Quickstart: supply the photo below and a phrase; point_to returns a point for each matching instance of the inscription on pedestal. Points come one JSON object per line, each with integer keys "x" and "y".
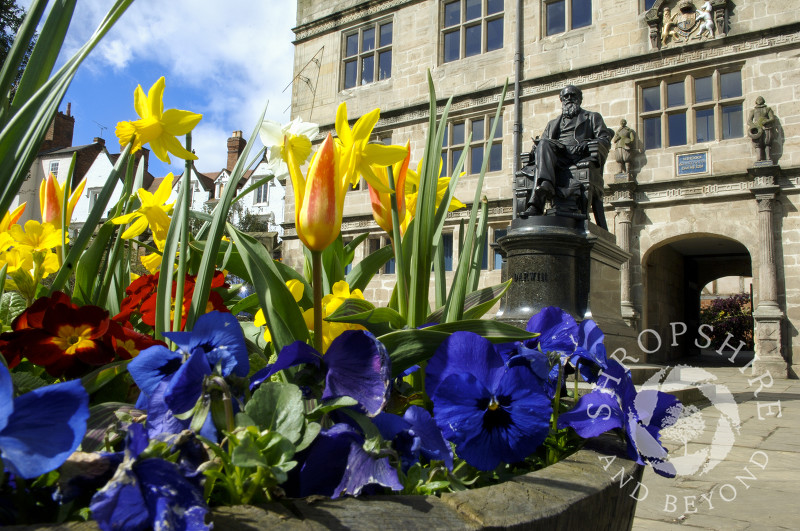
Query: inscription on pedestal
{"x": 530, "y": 276}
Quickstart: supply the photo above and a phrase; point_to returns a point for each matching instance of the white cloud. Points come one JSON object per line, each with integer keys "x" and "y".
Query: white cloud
{"x": 236, "y": 53}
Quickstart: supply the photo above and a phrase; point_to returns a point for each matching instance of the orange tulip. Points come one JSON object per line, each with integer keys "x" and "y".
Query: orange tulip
{"x": 382, "y": 202}
{"x": 51, "y": 198}
{"x": 11, "y": 218}
{"x": 319, "y": 199}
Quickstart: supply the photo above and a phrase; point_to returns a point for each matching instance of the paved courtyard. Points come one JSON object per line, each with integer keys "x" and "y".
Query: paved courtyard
{"x": 739, "y": 453}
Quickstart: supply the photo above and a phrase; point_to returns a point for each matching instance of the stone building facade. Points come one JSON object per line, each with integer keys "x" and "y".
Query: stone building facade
{"x": 684, "y": 75}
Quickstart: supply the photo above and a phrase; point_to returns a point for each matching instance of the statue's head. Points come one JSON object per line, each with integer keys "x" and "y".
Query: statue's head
{"x": 571, "y": 98}
{"x": 623, "y": 122}
{"x": 759, "y": 101}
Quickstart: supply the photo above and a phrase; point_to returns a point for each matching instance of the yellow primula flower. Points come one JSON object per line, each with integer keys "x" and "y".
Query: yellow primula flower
{"x": 357, "y": 154}
{"x": 156, "y": 126}
{"x": 37, "y": 236}
{"x": 330, "y": 303}
{"x": 17, "y": 259}
{"x": 153, "y": 212}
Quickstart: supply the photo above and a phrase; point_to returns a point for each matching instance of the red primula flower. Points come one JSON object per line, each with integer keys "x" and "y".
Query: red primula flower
{"x": 63, "y": 338}
{"x": 127, "y": 342}
{"x": 141, "y": 298}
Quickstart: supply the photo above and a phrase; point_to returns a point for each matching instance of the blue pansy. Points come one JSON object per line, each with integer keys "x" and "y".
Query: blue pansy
{"x": 614, "y": 403}
{"x": 414, "y": 435}
{"x": 172, "y": 382}
{"x": 355, "y": 365}
{"x": 149, "y": 493}
{"x": 492, "y": 413}
{"x": 40, "y": 429}
{"x": 557, "y": 329}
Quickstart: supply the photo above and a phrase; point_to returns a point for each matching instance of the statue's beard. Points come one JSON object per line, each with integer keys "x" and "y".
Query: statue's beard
{"x": 570, "y": 110}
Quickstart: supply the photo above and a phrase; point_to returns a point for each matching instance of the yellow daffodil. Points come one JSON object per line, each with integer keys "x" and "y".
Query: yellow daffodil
{"x": 11, "y": 218}
{"x": 296, "y": 136}
{"x": 37, "y": 236}
{"x": 382, "y": 202}
{"x": 319, "y": 199}
{"x": 153, "y": 212}
{"x": 412, "y": 191}
{"x": 156, "y": 126}
{"x": 358, "y": 155}
{"x": 51, "y": 198}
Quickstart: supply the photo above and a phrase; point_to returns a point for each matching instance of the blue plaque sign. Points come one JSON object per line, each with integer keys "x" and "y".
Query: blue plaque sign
{"x": 692, "y": 163}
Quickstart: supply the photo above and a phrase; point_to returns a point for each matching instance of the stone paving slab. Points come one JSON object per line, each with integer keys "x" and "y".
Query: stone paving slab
{"x": 756, "y": 485}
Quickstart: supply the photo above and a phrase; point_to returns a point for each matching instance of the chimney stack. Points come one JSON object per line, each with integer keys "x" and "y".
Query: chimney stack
{"x": 236, "y": 145}
{"x": 99, "y": 140}
{"x": 59, "y": 134}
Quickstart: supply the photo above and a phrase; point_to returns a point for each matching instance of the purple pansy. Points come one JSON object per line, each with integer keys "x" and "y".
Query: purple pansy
{"x": 614, "y": 403}
{"x": 336, "y": 464}
{"x": 40, "y": 429}
{"x": 492, "y": 413}
{"x": 414, "y": 435}
{"x": 355, "y": 365}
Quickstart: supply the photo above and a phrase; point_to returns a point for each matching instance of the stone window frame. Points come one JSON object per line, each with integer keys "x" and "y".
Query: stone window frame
{"x": 376, "y": 242}
{"x": 360, "y": 55}
{"x": 689, "y": 108}
{"x": 569, "y": 10}
{"x": 455, "y": 142}
{"x": 262, "y": 193}
{"x": 464, "y": 29}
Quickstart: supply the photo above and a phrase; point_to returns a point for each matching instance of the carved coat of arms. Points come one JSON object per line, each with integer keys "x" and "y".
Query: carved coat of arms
{"x": 687, "y": 23}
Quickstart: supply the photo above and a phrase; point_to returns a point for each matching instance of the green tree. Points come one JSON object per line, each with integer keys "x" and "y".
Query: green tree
{"x": 11, "y": 17}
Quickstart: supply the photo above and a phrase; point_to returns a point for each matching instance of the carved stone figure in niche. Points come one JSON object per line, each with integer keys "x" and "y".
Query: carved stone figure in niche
{"x": 565, "y": 166}
{"x": 761, "y": 128}
{"x": 626, "y": 147}
{"x": 688, "y": 23}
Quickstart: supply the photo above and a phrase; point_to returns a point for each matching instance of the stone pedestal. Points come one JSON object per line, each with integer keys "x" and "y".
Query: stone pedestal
{"x": 553, "y": 261}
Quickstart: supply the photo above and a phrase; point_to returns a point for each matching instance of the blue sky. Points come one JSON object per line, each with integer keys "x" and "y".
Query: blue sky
{"x": 223, "y": 59}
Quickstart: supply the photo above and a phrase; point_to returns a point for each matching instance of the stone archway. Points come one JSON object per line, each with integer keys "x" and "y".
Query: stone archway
{"x": 674, "y": 273}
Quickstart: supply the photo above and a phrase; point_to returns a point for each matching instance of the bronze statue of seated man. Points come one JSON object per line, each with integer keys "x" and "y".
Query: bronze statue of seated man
{"x": 576, "y": 143}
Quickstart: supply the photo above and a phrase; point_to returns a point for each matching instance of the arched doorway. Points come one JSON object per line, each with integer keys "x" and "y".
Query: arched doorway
{"x": 674, "y": 274}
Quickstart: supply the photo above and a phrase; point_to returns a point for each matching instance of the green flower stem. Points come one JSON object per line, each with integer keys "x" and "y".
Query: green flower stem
{"x": 184, "y": 239}
{"x": 552, "y": 454}
{"x": 397, "y": 242}
{"x": 316, "y": 272}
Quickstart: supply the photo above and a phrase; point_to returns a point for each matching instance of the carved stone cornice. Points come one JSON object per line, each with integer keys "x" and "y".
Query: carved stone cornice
{"x": 342, "y": 19}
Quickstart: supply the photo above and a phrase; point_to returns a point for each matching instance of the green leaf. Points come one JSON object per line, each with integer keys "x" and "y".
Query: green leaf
{"x": 362, "y": 272}
{"x": 247, "y": 453}
{"x": 494, "y": 331}
{"x": 96, "y": 379}
{"x": 249, "y": 304}
{"x": 101, "y": 417}
{"x": 410, "y": 347}
{"x": 310, "y": 433}
{"x": 25, "y": 382}
{"x": 331, "y": 405}
{"x": 477, "y": 303}
{"x": 218, "y": 226}
{"x": 11, "y": 305}
{"x": 283, "y": 315}
{"x": 278, "y": 406}
{"x": 87, "y": 271}
{"x": 378, "y": 321}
